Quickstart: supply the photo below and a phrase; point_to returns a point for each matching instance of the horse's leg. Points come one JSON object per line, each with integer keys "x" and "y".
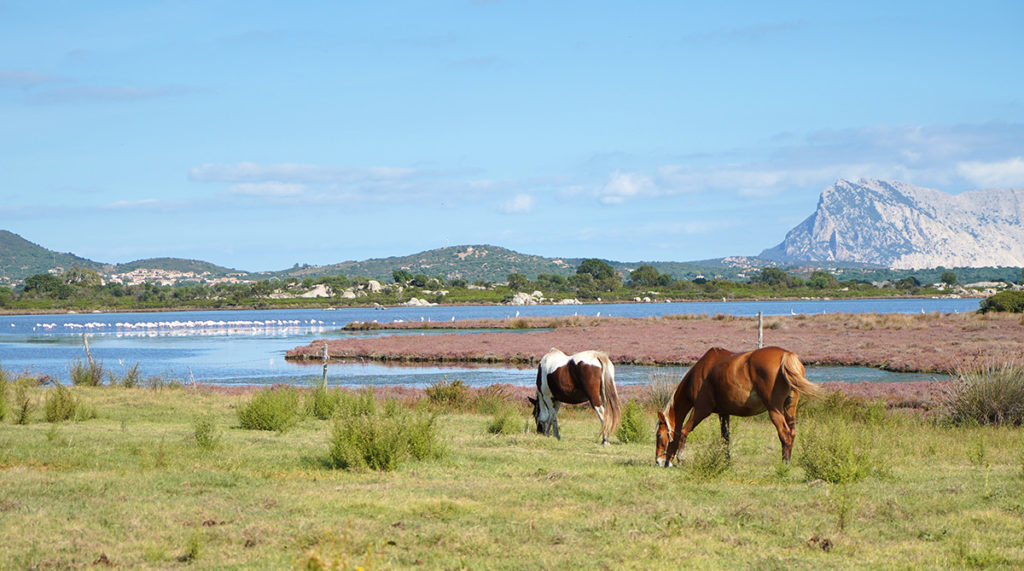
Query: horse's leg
{"x": 724, "y": 421}
{"x": 699, "y": 413}
{"x": 554, "y": 415}
{"x": 681, "y": 409}
{"x": 791, "y": 412}
{"x": 785, "y": 434}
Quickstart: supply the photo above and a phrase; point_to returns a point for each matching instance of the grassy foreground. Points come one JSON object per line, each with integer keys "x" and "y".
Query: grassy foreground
{"x": 132, "y": 488}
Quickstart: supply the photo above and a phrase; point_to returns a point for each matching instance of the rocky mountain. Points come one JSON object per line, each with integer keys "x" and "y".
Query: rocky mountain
{"x": 900, "y": 225}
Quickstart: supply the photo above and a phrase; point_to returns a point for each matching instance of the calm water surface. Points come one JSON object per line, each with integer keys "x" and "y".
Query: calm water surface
{"x": 248, "y": 346}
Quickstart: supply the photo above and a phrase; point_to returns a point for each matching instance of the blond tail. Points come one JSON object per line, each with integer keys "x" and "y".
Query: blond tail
{"x": 793, "y": 371}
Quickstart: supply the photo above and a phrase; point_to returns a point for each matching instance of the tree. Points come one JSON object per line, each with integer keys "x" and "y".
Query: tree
{"x": 821, "y": 279}
{"x": 948, "y": 278}
{"x": 645, "y": 276}
{"x": 419, "y": 280}
{"x": 518, "y": 282}
{"x": 774, "y": 277}
{"x": 84, "y": 277}
{"x": 401, "y": 276}
{"x": 598, "y": 269}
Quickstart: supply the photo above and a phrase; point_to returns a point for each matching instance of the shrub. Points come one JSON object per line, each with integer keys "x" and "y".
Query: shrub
{"x": 633, "y": 427}
{"x": 276, "y": 408}
{"x": 131, "y": 377}
{"x": 1008, "y": 301}
{"x": 449, "y": 394}
{"x": 506, "y": 420}
{"x": 59, "y": 404}
{"x": 492, "y": 399}
{"x": 23, "y": 402}
{"x": 381, "y": 439}
{"x": 205, "y": 432}
{"x": 321, "y": 403}
{"x": 836, "y": 405}
{"x": 992, "y": 394}
{"x": 708, "y": 461}
{"x": 5, "y": 381}
{"x": 832, "y": 453}
{"x": 87, "y": 374}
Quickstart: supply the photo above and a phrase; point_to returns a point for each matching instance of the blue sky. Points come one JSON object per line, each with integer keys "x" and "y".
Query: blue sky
{"x": 257, "y": 135}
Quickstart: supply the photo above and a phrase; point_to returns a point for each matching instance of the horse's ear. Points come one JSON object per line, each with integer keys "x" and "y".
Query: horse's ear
{"x": 661, "y": 418}
{"x": 532, "y": 400}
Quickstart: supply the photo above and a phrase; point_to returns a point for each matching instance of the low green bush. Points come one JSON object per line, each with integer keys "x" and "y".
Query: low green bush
{"x": 1008, "y": 301}
{"x": 452, "y": 394}
{"x": 836, "y": 405}
{"x": 321, "y": 402}
{"x": 506, "y": 420}
{"x": 492, "y": 399}
{"x": 708, "y": 460}
{"x": 132, "y": 377}
{"x": 275, "y": 408}
{"x": 634, "y": 426}
{"x": 380, "y": 439}
{"x": 59, "y": 404}
{"x": 991, "y": 394}
{"x": 837, "y": 454}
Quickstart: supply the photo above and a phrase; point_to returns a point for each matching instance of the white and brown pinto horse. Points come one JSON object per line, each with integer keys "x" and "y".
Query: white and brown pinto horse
{"x": 587, "y": 376}
{"x": 741, "y": 384}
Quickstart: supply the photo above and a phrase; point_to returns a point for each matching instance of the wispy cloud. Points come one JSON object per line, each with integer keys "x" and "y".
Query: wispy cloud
{"x": 25, "y": 79}
{"x": 949, "y": 158}
{"x": 519, "y": 204}
{"x": 101, "y": 94}
{"x": 267, "y": 189}
{"x": 1009, "y": 173}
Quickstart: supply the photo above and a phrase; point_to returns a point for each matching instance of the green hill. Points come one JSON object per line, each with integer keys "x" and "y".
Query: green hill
{"x": 173, "y": 265}
{"x": 20, "y": 258}
{"x": 470, "y": 263}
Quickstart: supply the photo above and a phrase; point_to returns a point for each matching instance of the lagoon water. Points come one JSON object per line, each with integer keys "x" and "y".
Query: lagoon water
{"x": 247, "y": 346}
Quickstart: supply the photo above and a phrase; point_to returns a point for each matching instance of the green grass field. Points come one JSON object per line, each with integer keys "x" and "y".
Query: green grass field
{"x": 133, "y": 488}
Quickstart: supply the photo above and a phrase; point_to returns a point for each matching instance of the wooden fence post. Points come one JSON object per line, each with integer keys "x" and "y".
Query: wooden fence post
{"x": 323, "y": 381}
{"x": 760, "y": 329}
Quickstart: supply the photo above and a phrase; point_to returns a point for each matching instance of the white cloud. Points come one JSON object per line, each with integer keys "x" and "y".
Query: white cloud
{"x": 143, "y": 204}
{"x": 519, "y": 204}
{"x": 624, "y": 186}
{"x": 1008, "y": 173}
{"x": 267, "y": 189}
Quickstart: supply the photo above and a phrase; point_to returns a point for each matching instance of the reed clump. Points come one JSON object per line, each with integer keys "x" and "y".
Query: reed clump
{"x": 634, "y": 426}
{"x": 987, "y": 394}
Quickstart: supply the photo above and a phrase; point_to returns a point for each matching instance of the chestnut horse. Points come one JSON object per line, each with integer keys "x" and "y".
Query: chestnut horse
{"x": 587, "y": 376}
{"x": 741, "y": 384}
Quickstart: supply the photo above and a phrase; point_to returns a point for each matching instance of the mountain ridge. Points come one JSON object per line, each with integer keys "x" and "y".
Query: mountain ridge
{"x": 899, "y": 225}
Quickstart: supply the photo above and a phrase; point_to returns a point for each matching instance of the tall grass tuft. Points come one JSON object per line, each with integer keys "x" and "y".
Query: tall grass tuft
{"x": 662, "y": 386}
{"x": 987, "y": 394}
{"x": 87, "y": 374}
{"x": 380, "y": 439}
{"x": 130, "y": 378}
{"x": 633, "y": 427}
{"x": 204, "y": 432}
{"x": 492, "y": 399}
{"x": 452, "y": 394}
{"x": 275, "y": 408}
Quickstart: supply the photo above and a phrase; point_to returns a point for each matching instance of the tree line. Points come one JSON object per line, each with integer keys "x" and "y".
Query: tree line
{"x": 593, "y": 279}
